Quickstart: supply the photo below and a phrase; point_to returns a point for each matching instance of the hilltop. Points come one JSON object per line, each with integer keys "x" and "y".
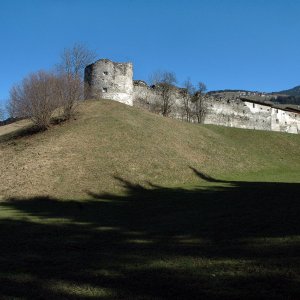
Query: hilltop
{"x": 109, "y": 140}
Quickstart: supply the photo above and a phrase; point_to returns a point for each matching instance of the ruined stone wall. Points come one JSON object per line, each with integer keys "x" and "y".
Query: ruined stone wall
{"x": 141, "y": 91}
{"x": 222, "y": 111}
{"x": 145, "y": 97}
{"x": 237, "y": 113}
{"x": 149, "y": 97}
{"x": 109, "y": 80}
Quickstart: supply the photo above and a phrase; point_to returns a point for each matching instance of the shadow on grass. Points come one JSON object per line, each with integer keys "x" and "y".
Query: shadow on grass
{"x": 20, "y": 133}
{"x": 223, "y": 240}
{"x": 29, "y": 130}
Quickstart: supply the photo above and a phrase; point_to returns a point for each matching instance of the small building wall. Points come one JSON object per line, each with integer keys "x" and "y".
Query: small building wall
{"x": 286, "y": 121}
{"x": 109, "y": 80}
{"x": 237, "y": 113}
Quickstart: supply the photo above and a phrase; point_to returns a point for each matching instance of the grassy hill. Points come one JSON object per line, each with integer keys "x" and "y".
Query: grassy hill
{"x": 124, "y": 204}
{"x": 109, "y": 139}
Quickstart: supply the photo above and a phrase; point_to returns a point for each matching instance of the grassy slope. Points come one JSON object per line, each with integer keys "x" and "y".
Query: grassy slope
{"x": 109, "y": 139}
{"x": 233, "y": 237}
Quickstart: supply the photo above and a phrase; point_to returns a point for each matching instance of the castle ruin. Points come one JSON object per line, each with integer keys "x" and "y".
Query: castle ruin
{"x": 105, "y": 79}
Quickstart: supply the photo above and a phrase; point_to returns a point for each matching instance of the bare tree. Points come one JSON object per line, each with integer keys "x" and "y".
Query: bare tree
{"x": 164, "y": 81}
{"x": 35, "y": 98}
{"x": 199, "y": 102}
{"x": 1, "y": 113}
{"x": 187, "y": 92}
{"x": 71, "y": 72}
{"x": 11, "y": 106}
{"x": 75, "y": 59}
{"x": 69, "y": 93}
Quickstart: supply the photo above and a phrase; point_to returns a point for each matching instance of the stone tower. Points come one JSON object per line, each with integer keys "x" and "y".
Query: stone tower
{"x": 105, "y": 79}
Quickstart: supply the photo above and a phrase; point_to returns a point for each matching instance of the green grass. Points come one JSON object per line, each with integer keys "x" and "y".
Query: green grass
{"x": 217, "y": 240}
{"x": 109, "y": 139}
{"x": 138, "y": 211}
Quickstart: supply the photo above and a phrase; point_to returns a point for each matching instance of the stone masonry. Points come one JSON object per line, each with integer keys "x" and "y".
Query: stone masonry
{"x": 105, "y": 79}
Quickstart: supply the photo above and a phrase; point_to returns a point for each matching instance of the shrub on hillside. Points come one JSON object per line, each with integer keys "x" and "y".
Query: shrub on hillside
{"x": 69, "y": 92}
{"x": 41, "y": 93}
{"x": 35, "y": 98}
{"x": 1, "y": 113}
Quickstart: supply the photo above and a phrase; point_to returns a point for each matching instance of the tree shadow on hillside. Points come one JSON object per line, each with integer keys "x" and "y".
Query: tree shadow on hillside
{"x": 29, "y": 130}
{"x": 230, "y": 240}
{"x": 23, "y": 132}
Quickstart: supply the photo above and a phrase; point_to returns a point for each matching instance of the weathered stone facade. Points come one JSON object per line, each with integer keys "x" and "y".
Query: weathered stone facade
{"x": 149, "y": 97}
{"x": 237, "y": 113}
{"x": 109, "y": 80}
{"x": 248, "y": 114}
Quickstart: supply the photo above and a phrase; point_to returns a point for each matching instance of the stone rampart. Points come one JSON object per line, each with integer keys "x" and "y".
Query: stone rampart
{"x": 105, "y": 79}
{"x": 110, "y": 80}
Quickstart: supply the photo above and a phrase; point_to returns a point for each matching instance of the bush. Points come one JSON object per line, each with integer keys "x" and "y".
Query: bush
{"x": 69, "y": 92}
{"x": 36, "y": 97}
{"x": 41, "y": 93}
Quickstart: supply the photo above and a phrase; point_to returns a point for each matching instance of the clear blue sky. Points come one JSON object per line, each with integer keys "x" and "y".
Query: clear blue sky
{"x": 236, "y": 44}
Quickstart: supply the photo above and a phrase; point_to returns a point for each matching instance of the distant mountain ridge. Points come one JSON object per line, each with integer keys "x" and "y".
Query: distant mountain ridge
{"x": 290, "y": 96}
{"x": 295, "y": 91}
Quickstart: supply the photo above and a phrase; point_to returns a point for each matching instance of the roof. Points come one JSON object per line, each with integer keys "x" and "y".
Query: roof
{"x": 288, "y": 107}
